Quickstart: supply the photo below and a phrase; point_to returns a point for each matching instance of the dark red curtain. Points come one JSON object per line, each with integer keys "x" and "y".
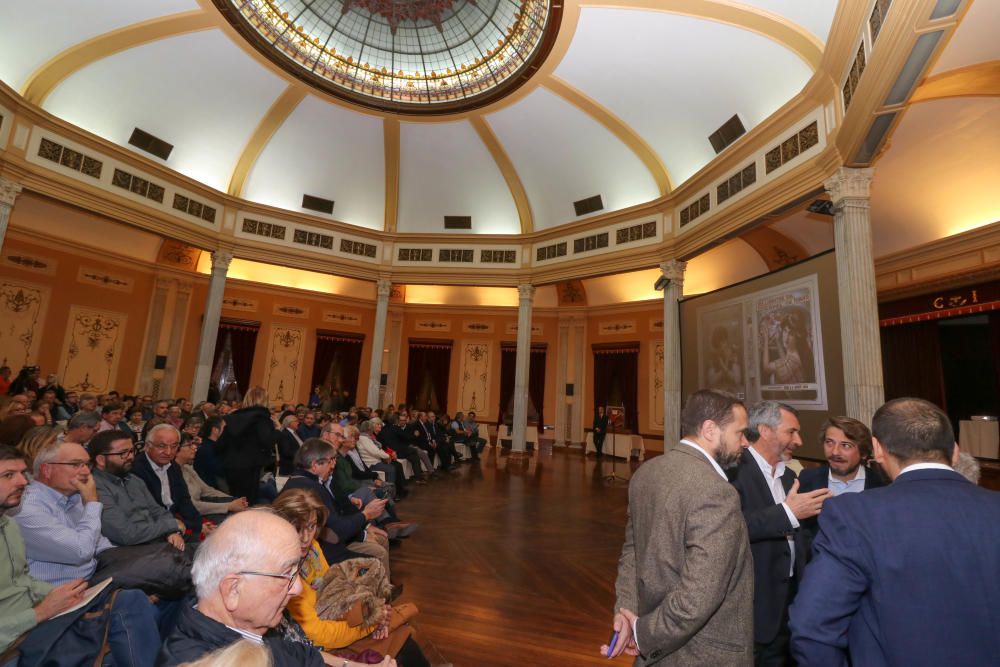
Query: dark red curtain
{"x": 616, "y": 379}
{"x": 337, "y": 366}
{"x": 536, "y": 383}
{"x": 234, "y": 349}
{"x": 911, "y": 362}
{"x": 427, "y": 374}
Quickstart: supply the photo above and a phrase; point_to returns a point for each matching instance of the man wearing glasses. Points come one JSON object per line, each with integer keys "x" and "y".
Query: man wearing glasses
{"x": 164, "y": 479}
{"x": 244, "y": 573}
{"x": 130, "y": 515}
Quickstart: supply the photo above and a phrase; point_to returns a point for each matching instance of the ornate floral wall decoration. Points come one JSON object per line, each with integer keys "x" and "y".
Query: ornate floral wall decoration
{"x": 105, "y": 279}
{"x": 22, "y": 315}
{"x": 432, "y": 325}
{"x": 284, "y": 363}
{"x": 474, "y": 375}
{"x": 511, "y": 329}
{"x": 477, "y": 326}
{"x": 340, "y": 317}
{"x": 616, "y": 327}
{"x": 656, "y": 385}
{"x": 92, "y": 350}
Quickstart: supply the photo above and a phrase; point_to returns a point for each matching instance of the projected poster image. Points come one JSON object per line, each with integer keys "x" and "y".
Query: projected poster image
{"x": 789, "y": 346}
{"x": 721, "y": 362}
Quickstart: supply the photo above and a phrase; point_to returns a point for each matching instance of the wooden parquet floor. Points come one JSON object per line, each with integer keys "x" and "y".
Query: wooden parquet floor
{"x": 515, "y": 568}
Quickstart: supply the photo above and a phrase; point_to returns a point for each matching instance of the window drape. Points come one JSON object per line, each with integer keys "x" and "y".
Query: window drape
{"x": 427, "y": 374}
{"x": 234, "y": 349}
{"x": 902, "y": 373}
{"x": 616, "y": 379}
{"x": 536, "y": 383}
{"x": 337, "y": 367}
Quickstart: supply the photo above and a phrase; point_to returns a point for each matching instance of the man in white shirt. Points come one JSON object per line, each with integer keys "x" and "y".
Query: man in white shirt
{"x": 773, "y": 509}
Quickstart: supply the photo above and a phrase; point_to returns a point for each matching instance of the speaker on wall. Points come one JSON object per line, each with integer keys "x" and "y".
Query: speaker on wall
{"x": 161, "y": 362}
{"x": 383, "y": 379}
{"x": 569, "y": 389}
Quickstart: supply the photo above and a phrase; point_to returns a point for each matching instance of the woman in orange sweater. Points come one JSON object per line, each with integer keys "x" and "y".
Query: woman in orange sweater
{"x": 394, "y": 638}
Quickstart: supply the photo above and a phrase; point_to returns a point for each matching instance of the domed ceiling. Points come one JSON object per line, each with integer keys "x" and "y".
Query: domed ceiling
{"x": 409, "y": 56}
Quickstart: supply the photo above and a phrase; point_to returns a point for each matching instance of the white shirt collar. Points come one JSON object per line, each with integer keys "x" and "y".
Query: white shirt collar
{"x": 156, "y": 466}
{"x": 925, "y": 466}
{"x": 715, "y": 464}
{"x": 859, "y": 475}
{"x": 765, "y": 467}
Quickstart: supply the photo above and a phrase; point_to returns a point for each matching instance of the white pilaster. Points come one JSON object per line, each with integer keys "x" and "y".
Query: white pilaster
{"x": 673, "y": 271}
{"x": 9, "y": 190}
{"x": 859, "y": 331}
{"x": 526, "y": 294}
{"x": 210, "y": 324}
{"x": 384, "y": 288}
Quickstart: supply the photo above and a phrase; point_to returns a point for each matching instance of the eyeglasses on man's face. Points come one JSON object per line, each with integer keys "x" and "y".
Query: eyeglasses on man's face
{"x": 75, "y": 465}
{"x": 163, "y": 447}
{"x": 291, "y": 575}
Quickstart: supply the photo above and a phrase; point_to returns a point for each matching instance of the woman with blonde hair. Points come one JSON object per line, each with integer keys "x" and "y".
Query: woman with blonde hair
{"x": 393, "y": 638}
{"x": 243, "y": 653}
{"x": 247, "y": 444}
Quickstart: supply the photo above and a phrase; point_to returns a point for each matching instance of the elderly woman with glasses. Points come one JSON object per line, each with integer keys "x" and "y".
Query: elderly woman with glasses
{"x": 394, "y": 638}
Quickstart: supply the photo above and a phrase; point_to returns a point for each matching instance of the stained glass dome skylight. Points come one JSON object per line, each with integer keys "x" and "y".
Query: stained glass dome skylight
{"x": 408, "y": 56}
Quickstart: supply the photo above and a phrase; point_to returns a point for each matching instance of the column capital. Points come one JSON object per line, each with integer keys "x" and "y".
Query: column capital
{"x": 9, "y": 190}
{"x": 383, "y": 287}
{"x": 221, "y": 259}
{"x": 849, "y": 183}
{"x": 673, "y": 270}
{"x": 526, "y": 292}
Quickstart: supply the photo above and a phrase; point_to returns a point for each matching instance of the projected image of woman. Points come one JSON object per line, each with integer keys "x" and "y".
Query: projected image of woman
{"x": 787, "y": 352}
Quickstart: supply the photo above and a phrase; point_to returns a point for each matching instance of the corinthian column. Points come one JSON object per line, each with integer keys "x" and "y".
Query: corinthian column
{"x": 210, "y": 324}
{"x": 9, "y": 190}
{"x": 525, "y": 294}
{"x": 859, "y": 331}
{"x": 673, "y": 271}
{"x": 383, "y": 287}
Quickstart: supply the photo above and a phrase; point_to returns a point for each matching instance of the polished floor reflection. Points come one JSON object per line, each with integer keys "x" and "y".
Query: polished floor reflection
{"x": 515, "y": 567}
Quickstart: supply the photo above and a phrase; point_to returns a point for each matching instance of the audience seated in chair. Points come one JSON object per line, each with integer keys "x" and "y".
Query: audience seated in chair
{"x": 213, "y": 504}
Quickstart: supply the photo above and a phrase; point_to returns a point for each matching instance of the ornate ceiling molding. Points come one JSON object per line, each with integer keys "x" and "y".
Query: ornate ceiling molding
{"x": 776, "y": 249}
{"x": 979, "y": 80}
{"x": 275, "y": 117}
{"x": 45, "y": 79}
{"x": 390, "y": 133}
{"x": 508, "y": 171}
{"x": 617, "y": 127}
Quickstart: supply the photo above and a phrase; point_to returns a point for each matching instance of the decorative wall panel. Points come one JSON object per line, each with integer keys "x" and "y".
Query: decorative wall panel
{"x": 432, "y": 325}
{"x": 656, "y": 324}
{"x": 616, "y": 327}
{"x": 656, "y": 385}
{"x": 477, "y": 326}
{"x": 284, "y": 353}
{"x": 474, "y": 375}
{"x": 100, "y": 278}
{"x": 341, "y": 318}
{"x": 22, "y": 316}
{"x": 290, "y": 310}
{"x": 30, "y": 262}
{"x": 511, "y": 329}
{"x": 92, "y": 349}
{"x": 240, "y": 304}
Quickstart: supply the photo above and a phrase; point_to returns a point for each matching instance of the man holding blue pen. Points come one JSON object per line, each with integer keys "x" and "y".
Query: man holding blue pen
{"x": 685, "y": 576}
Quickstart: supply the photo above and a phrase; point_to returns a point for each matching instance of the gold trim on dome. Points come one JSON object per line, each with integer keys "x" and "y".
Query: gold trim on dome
{"x": 275, "y": 117}
{"x": 45, "y": 79}
{"x": 506, "y": 167}
{"x": 979, "y": 80}
{"x": 623, "y": 131}
{"x": 390, "y": 133}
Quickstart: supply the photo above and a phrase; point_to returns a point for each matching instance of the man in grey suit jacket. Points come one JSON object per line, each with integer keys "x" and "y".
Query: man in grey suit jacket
{"x": 685, "y": 576}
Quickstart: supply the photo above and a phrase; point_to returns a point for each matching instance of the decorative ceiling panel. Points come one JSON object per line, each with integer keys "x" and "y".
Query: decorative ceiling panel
{"x": 171, "y": 89}
{"x": 563, "y": 155}
{"x": 676, "y": 79}
{"x": 446, "y": 170}
{"x": 324, "y": 150}
{"x": 33, "y": 32}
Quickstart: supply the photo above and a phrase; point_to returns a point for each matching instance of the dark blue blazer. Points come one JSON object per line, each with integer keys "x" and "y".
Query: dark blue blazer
{"x": 179, "y": 493}
{"x": 908, "y": 574}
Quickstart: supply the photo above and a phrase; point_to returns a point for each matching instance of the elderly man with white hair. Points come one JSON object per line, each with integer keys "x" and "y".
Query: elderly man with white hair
{"x": 245, "y": 573}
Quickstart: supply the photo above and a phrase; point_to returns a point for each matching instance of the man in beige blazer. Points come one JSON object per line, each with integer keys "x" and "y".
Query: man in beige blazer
{"x": 685, "y": 576}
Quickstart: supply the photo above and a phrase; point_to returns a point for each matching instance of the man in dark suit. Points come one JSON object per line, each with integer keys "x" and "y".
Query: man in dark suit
{"x": 436, "y": 441}
{"x": 685, "y": 586}
{"x": 164, "y": 478}
{"x": 847, "y": 445}
{"x": 908, "y": 574}
{"x": 773, "y": 509}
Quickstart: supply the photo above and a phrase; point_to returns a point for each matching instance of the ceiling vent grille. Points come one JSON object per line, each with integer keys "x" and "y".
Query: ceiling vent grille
{"x": 138, "y": 185}
{"x": 313, "y": 239}
{"x": 743, "y": 178}
{"x": 415, "y": 255}
{"x": 644, "y": 230}
{"x": 550, "y": 251}
{"x": 854, "y": 76}
{"x": 588, "y": 205}
{"x": 588, "y": 243}
{"x": 877, "y": 19}
{"x": 153, "y": 145}
{"x": 697, "y": 208}
{"x": 792, "y": 147}
{"x": 194, "y": 208}
{"x": 498, "y": 256}
{"x": 458, "y": 222}
{"x": 464, "y": 255}
{"x": 266, "y": 229}
{"x": 317, "y": 204}
{"x": 70, "y": 158}
{"x": 358, "y": 248}
{"x": 730, "y": 131}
